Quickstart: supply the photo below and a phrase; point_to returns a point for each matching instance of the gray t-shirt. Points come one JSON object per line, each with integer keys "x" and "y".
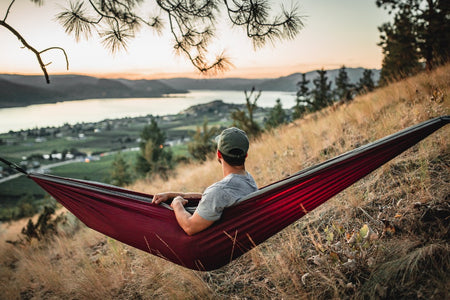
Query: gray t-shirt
{"x": 225, "y": 193}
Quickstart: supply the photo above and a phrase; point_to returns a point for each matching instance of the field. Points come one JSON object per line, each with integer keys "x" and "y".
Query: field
{"x": 385, "y": 237}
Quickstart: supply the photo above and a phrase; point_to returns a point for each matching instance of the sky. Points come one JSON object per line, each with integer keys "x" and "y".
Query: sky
{"x": 335, "y": 33}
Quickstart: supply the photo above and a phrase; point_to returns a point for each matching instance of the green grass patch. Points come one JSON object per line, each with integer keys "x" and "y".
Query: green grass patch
{"x": 13, "y": 190}
{"x": 22, "y": 189}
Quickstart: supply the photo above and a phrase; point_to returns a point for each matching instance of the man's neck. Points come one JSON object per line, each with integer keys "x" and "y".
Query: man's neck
{"x": 227, "y": 169}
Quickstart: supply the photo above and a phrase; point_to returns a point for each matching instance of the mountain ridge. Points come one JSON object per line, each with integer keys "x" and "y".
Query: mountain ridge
{"x": 23, "y": 90}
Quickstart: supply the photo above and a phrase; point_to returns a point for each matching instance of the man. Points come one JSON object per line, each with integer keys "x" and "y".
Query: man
{"x": 232, "y": 147}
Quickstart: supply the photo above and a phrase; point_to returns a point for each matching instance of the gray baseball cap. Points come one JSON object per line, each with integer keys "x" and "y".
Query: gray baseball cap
{"x": 232, "y": 138}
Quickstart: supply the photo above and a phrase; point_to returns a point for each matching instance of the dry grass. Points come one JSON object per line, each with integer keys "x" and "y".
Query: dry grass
{"x": 384, "y": 237}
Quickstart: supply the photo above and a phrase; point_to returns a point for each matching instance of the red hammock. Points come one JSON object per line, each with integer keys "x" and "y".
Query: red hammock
{"x": 129, "y": 217}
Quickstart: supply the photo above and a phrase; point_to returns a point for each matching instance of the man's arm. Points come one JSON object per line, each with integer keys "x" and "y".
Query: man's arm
{"x": 163, "y": 197}
{"x": 191, "y": 224}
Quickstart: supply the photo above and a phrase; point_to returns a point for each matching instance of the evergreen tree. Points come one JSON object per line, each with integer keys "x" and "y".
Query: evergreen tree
{"x": 433, "y": 31}
{"x": 366, "y": 83}
{"x": 344, "y": 89}
{"x": 421, "y": 29}
{"x": 154, "y": 157}
{"x": 120, "y": 173}
{"x": 203, "y": 143}
{"x": 322, "y": 95}
{"x": 303, "y": 99}
{"x": 401, "y": 55}
{"x": 438, "y": 33}
{"x": 277, "y": 116}
{"x": 245, "y": 121}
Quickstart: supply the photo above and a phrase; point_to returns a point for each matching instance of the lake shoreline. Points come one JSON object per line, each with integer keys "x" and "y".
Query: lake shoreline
{"x": 96, "y": 110}
{"x": 22, "y": 105}
{"x": 112, "y": 121}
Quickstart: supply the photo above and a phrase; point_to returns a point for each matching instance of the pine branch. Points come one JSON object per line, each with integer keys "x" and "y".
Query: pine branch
{"x": 32, "y": 49}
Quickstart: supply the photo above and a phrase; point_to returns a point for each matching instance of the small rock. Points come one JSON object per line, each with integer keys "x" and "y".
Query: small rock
{"x": 304, "y": 278}
{"x": 350, "y": 264}
{"x": 316, "y": 259}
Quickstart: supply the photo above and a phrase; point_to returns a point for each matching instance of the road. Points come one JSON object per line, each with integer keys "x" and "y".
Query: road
{"x": 45, "y": 168}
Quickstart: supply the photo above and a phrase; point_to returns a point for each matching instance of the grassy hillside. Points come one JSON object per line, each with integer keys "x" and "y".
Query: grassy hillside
{"x": 387, "y": 236}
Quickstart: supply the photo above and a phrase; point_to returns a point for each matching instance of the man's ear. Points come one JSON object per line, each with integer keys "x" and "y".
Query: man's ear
{"x": 219, "y": 155}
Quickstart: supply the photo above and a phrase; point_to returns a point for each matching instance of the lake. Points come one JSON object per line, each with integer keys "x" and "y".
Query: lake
{"x": 94, "y": 110}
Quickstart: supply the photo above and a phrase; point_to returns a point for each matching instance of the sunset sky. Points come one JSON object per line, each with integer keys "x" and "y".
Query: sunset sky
{"x": 336, "y": 33}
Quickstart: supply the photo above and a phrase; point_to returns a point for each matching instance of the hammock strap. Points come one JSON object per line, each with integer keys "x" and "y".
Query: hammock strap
{"x": 13, "y": 166}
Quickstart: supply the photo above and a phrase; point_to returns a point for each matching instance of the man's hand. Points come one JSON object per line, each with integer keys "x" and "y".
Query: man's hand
{"x": 178, "y": 200}
{"x": 162, "y": 197}
{"x": 191, "y": 224}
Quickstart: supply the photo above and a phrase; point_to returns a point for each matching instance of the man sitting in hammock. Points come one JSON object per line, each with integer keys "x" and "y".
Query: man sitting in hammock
{"x": 232, "y": 147}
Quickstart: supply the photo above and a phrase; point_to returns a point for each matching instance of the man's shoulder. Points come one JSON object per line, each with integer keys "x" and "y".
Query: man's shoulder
{"x": 216, "y": 187}
{"x": 239, "y": 179}
{"x": 221, "y": 183}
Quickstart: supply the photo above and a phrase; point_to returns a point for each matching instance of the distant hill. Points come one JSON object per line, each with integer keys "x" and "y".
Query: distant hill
{"x": 12, "y": 94}
{"x": 21, "y": 90}
{"x": 285, "y": 84}
{"x": 229, "y": 84}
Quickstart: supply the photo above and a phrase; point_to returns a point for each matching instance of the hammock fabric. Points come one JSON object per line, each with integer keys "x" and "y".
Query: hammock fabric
{"x": 128, "y": 216}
